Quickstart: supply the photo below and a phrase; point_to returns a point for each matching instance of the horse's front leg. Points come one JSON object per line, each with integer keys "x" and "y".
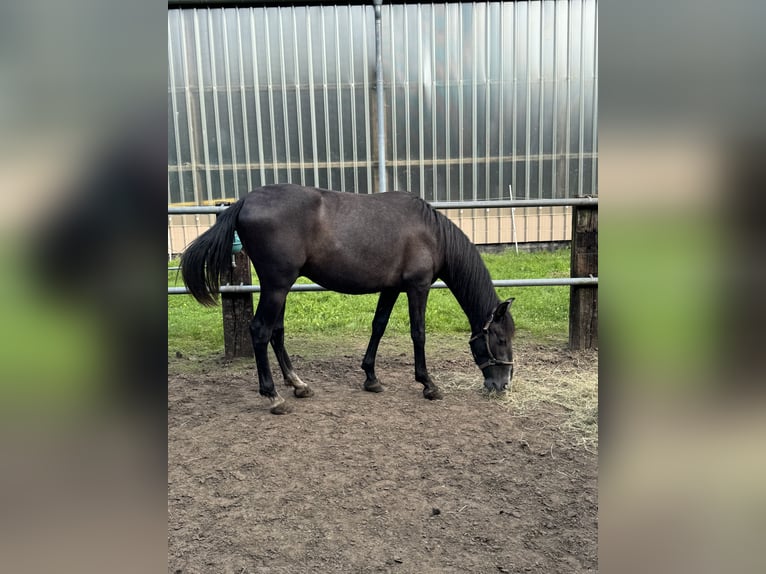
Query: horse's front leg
{"x": 417, "y": 299}
{"x": 270, "y": 305}
{"x": 386, "y": 303}
{"x": 300, "y": 389}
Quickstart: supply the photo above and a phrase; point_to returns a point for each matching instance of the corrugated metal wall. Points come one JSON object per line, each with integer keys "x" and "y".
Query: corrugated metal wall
{"x": 479, "y": 96}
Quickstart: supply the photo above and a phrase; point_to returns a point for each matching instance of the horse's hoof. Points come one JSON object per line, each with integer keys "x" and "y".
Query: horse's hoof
{"x": 280, "y": 409}
{"x": 303, "y": 392}
{"x": 373, "y": 386}
{"x": 433, "y": 394}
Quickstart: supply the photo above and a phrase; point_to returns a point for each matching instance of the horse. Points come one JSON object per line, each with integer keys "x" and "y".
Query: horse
{"x": 388, "y": 243}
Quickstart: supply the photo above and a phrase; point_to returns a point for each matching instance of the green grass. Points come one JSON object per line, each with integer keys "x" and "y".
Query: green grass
{"x": 540, "y": 312}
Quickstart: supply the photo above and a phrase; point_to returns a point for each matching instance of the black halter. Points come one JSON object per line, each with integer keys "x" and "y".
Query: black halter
{"x": 482, "y": 354}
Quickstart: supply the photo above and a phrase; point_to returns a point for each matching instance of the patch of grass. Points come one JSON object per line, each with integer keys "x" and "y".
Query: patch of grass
{"x": 540, "y": 312}
{"x": 192, "y": 328}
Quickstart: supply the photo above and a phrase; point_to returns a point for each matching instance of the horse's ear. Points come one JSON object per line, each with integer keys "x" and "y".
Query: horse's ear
{"x": 502, "y": 309}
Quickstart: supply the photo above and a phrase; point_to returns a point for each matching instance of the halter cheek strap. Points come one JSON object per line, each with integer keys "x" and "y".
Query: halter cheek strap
{"x": 482, "y": 354}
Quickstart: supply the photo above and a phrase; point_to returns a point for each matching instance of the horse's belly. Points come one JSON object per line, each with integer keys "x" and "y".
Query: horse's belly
{"x": 351, "y": 280}
{"x": 352, "y": 256}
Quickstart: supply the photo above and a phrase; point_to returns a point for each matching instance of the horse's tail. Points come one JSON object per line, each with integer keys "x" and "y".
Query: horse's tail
{"x": 205, "y": 260}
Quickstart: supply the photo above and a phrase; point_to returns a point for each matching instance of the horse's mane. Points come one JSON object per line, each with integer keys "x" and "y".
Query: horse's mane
{"x": 463, "y": 271}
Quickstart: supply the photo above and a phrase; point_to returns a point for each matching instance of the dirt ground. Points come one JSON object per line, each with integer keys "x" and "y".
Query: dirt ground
{"x": 351, "y": 481}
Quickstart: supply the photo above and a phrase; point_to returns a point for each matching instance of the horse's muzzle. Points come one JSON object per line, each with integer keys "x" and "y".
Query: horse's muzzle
{"x": 499, "y": 379}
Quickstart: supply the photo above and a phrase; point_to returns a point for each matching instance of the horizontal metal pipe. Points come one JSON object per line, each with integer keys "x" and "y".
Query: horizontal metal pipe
{"x": 579, "y": 201}
{"x": 193, "y": 209}
{"x": 196, "y": 209}
{"x": 438, "y": 285}
{"x": 403, "y": 163}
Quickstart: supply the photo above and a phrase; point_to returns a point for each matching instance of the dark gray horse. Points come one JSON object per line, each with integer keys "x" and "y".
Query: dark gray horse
{"x": 388, "y": 243}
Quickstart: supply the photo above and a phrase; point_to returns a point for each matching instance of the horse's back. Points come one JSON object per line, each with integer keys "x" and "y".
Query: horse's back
{"x": 334, "y": 211}
{"x": 279, "y": 201}
{"x": 344, "y": 241}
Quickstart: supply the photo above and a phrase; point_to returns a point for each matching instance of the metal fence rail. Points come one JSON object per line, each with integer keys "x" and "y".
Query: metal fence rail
{"x": 490, "y": 204}
{"x": 438, "y": 285}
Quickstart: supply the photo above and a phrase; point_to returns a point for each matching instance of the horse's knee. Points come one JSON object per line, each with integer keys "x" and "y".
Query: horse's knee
{"x": 277, "y": 335}
{"x": 379, "y": 326}
{"x": 259, "y": 333}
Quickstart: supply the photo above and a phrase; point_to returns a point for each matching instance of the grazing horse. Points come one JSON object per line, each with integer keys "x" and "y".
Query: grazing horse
{"x": 385, "y": 243}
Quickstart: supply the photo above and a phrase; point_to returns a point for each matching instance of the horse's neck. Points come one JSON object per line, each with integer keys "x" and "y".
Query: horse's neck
{"x": 469, "y": 280}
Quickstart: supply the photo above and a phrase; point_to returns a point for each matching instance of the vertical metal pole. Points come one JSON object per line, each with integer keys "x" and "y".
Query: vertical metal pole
{"x": 176, "y": 115}
{"x": 257, "y": 98}
{"x": 216, "y": 110}
{"x": 368, "y": 151}
{"x": 379, "y": 89}
{"x": 339, "y": 102}
{"x": 354, "y": 147}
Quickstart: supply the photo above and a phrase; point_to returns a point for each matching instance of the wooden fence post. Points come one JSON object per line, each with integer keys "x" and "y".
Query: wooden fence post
{"x": 237, "y": 308}
{"x": 238, "y": 311}
{"x": 583, "y": 299}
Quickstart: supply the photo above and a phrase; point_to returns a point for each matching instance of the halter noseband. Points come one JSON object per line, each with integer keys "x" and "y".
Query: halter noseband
{"x": 489, "y": 359}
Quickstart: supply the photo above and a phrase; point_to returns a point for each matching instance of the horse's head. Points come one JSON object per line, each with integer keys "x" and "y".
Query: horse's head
{"x": 492, "y": 350}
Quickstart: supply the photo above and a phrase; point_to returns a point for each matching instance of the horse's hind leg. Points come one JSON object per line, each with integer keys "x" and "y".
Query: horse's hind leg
{"x": 300, "y": 389}
{"x": 270, "y": 304}
{"x": 379, "y": 323}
